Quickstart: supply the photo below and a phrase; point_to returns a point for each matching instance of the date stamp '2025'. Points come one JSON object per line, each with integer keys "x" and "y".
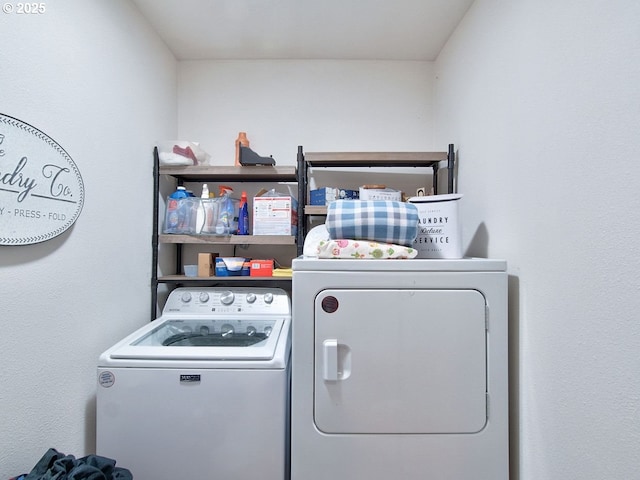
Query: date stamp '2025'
{"x": 21, "y": 8}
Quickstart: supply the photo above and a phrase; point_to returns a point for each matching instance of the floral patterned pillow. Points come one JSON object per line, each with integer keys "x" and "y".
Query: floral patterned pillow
{"x": 363, "y": 249}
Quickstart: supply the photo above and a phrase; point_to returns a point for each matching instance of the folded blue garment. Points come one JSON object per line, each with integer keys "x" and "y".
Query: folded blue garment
{"x": 57, "y": 466}
{"x": 376, "y": 220}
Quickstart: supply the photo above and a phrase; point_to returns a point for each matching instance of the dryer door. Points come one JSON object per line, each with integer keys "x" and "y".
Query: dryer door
{"x": 400, "y": 361}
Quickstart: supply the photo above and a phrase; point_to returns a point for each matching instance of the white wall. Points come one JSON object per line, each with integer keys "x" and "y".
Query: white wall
{"x": 96, "y": 79}
{"x": 542, "y": 100}
{"x": 321, "y": 105}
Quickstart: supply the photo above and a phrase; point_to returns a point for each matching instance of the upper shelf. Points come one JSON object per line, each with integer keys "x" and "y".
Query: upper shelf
{"x": 202, "y": 173}
{"x": 374, "y": 159}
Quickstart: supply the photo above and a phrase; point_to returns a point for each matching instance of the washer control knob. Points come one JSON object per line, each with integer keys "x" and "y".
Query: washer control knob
{"x": 268, "y": 297}
{"x": 204, "y": 297}
{"x": 186, "y": 297}
{"x": 251, "y": 297}
{"x": 227, "y": 297}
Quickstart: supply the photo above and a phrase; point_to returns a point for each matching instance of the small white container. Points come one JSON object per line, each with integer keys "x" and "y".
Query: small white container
{"x": 191, "y": 270}
{"x": 439, "y": 233}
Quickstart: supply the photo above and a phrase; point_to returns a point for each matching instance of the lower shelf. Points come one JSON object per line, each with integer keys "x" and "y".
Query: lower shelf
{"x": 229, "y": 239}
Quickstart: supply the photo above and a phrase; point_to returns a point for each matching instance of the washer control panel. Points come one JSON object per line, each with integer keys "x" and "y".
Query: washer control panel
{"x": 221, "y": 300}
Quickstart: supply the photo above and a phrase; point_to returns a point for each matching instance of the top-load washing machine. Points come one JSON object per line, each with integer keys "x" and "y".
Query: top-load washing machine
{"x": 202, "y": 392}
{"x": 399, "y": 370}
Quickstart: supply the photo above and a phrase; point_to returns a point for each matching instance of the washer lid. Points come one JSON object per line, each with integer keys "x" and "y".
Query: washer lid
{"x": 202, "y": 339}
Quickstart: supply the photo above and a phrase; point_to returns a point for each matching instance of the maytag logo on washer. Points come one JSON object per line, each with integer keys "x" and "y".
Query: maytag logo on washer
{"x": 189, "y": 378}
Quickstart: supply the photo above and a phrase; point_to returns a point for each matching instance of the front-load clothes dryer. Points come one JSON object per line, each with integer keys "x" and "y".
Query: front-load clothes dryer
{"x": 399, "y": 370}
{"x": 202, "y": 392}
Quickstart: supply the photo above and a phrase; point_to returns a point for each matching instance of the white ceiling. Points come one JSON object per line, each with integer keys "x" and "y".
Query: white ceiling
{"x": 304, "y": 29}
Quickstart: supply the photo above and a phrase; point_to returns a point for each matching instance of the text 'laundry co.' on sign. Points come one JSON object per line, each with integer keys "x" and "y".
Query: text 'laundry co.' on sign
{"x": 41, "y": 190}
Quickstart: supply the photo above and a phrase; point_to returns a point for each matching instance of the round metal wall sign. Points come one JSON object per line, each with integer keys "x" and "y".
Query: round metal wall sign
{"x": 41, "y": 190}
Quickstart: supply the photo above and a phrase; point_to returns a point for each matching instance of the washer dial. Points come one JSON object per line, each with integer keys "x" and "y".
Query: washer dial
{"x": 227, "y": 297}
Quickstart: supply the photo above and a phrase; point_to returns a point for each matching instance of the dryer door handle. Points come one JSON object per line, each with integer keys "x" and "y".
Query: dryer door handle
{"x": 330, "y": 360}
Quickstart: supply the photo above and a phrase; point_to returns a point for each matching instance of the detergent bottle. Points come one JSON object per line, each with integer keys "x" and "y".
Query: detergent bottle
{"x": 174, "y": 218}
{"x": 241, "y": 140}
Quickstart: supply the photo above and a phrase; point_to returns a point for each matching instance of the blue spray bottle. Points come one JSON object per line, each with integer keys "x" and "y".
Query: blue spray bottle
{"x": 243, "y": 217}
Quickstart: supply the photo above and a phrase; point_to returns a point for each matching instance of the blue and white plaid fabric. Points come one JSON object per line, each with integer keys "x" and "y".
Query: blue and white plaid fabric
{"x": 376, "y": 220}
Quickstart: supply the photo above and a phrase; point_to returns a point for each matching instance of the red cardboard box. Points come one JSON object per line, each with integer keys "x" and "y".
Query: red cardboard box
{"x": 261, "y": 268}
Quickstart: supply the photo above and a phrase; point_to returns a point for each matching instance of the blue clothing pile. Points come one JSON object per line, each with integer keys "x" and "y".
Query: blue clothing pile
{"x": 58, "y": 466}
